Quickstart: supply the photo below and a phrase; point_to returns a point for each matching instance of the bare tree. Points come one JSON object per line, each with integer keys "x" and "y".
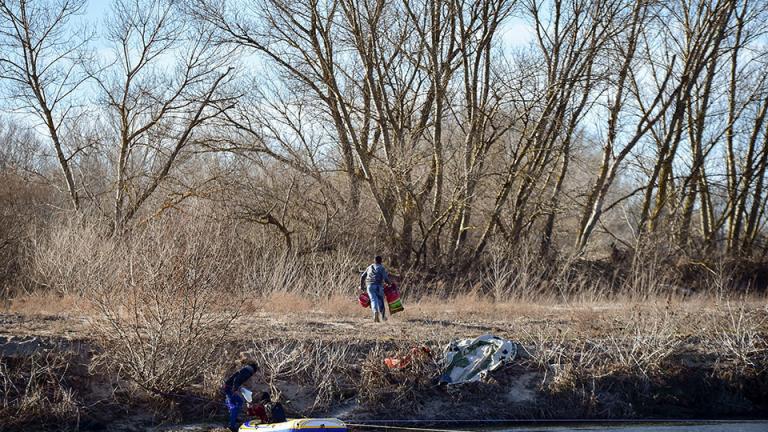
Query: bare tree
{"x": 41, "y": 55}
{"x": 164, "y": 83}
{"x": 703, "y": 38}
{"x": 414, "y": 118}
{"x": 570, "y": 39}
{"x": 482, "y": 101}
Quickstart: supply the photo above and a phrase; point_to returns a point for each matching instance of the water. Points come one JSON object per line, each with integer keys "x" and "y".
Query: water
{"x": 703, "y": 426}
{"x": 730, "y": 426}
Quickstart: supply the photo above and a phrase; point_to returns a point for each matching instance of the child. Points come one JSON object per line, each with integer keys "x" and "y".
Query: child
{"x": 267, "y": 411}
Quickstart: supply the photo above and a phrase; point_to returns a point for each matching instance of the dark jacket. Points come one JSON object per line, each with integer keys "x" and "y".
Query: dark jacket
{"x": 238, "y": 378}
{"x": 275, "y": 412}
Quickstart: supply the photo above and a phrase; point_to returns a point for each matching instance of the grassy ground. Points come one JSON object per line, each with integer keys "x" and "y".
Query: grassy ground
{"x": 291, "y": 316}
{"x": 621, "y": 359}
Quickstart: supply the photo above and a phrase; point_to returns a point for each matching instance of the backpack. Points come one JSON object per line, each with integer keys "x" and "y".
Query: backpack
{"x": 277, "y": 413}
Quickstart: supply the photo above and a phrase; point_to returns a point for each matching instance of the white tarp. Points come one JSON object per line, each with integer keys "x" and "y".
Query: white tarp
{"x": 470, "y": 360}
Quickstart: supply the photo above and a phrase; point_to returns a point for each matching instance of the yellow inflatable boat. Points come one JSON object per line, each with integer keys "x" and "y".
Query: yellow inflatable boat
{"x": 296, "y": 425}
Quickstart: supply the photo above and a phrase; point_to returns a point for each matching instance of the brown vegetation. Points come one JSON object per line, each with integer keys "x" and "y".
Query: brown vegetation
{"x": 35, "y": 391}
{"x": 588, "y": 360}
{"x": 596, "y": 168}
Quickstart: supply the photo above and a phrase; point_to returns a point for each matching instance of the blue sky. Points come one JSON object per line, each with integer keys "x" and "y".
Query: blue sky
{"x": 97, "y": 10}
{"x": 517, "y": 31}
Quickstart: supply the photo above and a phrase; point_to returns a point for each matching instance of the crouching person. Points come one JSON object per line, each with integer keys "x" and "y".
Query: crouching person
{"x": 266, "y": 410}
{"x": 232, "y": 399}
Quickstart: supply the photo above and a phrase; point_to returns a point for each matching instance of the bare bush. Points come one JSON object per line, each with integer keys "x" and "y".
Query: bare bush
{"x": 549, "y": 351}
{"x": 337, "y": 273}
{"x": 501, "y": 276}
{"x": 646, "y": 342}
{"x": 639, "y": 348}
{"x": 331, "y": 374}
{"x": 738, "y": 337}
{"x": 69, "y": 258}
{"x": 165, "y": 309}
{"x": 20, "y": 210}
{"x": 22, "y": 201}
{"x": 279, "y": 361}
{"x": 382, "y": 387}
{"x": 275, "y": 272}
{"x": 315, "y": 277}
{"x": 323, "y": 366}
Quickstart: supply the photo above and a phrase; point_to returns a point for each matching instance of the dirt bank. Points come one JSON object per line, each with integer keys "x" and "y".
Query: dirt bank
{"x": 585, "y": 361}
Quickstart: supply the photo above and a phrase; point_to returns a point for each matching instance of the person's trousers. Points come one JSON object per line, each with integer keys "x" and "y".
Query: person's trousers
{"x": 376, "y": 293}
{"x": 234, "y": 403}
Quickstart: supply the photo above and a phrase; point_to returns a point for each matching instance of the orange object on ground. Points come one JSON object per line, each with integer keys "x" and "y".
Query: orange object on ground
{"x": 397, "y": 363}
{"x": 401, "y": 362}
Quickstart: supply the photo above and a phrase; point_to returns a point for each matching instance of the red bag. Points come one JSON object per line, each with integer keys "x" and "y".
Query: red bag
{"x": 364, "y": 300}
{"x": 392, "y": 295}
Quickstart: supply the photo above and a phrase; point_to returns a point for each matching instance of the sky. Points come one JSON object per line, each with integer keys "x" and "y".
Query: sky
{"x": 517, "y": 31}
{"x": 97, "y": 10}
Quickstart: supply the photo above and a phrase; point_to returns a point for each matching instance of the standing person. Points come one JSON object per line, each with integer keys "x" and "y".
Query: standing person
{"x": 230, "y": 389}
{"x": 372, "y": 280}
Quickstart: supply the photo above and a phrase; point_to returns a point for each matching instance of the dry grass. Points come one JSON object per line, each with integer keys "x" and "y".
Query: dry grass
{"x": 33, "y": 391}
{"x": 324, "y": 367}
{"x": 579, "y": 351}
{"x": 382, "y": 388}
{"x": 165, "y": 305}
{"x": 285, "y": 302}
{"x": 48, "y": 303}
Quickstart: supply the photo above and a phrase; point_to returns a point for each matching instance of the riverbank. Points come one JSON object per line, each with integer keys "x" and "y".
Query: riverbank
{"x": 691, "y": 359}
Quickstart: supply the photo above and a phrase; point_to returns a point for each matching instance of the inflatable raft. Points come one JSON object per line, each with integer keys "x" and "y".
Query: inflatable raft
{"x": 296, "y": 425}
